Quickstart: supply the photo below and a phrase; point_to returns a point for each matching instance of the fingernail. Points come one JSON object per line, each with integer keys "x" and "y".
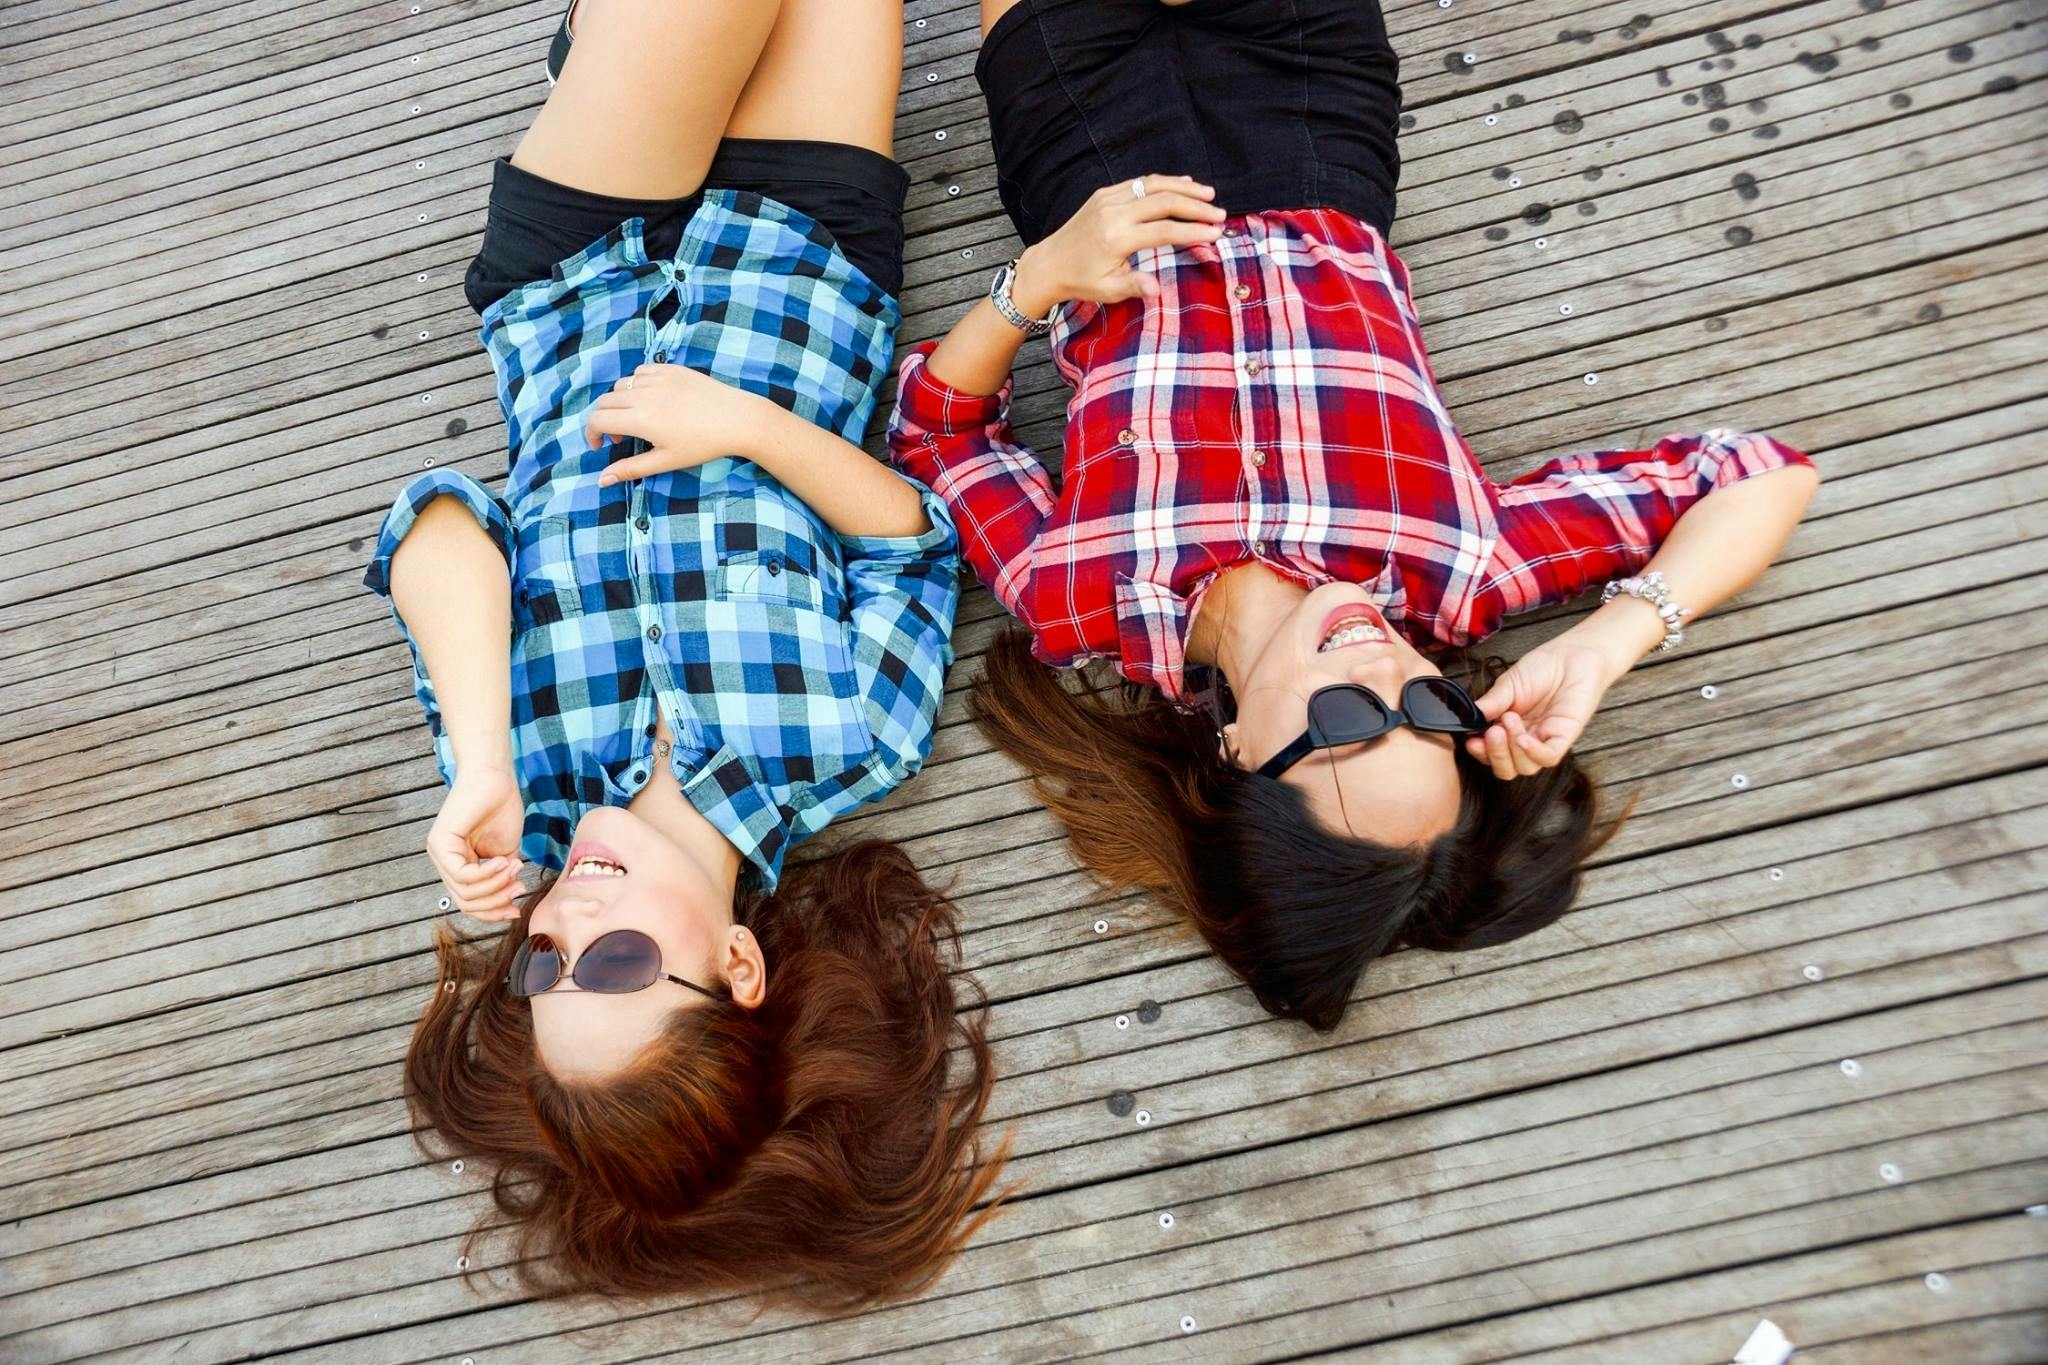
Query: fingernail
{"x": 605, "y": 481}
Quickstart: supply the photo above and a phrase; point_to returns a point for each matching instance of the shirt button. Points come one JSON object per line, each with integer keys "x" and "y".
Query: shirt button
{"x": 650, "y": 732}
{"x": 1230, "y": 232}
{"x": 1252, "y": 366}
{"x": 1126, "y": 437}
{"x": 659, "y": 357}
{"x": 1241, "y": 293}
{"x": 640, "y": 523}
{"x": 774, "y": 568}
{"x": 654, "y": 632}
{"x": 1258, "y": 547}
{"x": 639, "y": 775}
{"x": 1259, "y": 458}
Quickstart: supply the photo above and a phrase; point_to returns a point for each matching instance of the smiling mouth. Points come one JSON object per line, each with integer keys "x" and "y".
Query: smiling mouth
{"x": 1353, "y": 630}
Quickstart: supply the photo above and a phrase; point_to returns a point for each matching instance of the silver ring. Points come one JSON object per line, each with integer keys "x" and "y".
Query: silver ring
{"x": 1138, "y": 188}
{"x": 628, "y": 384}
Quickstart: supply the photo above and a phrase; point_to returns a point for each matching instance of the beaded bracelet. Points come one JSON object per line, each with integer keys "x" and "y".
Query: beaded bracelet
{"x": 1651, "y": 588}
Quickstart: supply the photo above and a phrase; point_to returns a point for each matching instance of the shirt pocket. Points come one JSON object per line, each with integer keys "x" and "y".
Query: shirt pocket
{"x": 547, "y": 590}
{"x": 767, "y": 549}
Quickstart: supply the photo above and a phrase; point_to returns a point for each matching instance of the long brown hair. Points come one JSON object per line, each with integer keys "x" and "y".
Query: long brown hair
{"x": 1296, "y": 911}
{"x": 818, "y": 1149}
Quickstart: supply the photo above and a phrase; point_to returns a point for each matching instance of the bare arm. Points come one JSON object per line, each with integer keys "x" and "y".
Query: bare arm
{"x": 688, "y": 418}
{"x": 1719, "y": 546}
{"x": 450, "y": 586}
{"x": 451, "y": 589}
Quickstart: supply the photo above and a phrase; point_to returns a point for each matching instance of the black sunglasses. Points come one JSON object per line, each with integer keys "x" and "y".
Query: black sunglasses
{"x": 617, "y": 963}
{"x": 1346, "y": 713}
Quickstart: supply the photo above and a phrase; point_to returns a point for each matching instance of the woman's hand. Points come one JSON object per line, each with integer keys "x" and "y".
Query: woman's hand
{"x": 474, "y": 843}
{"x": 1089, "y": 257}
{"x": 1540, "y": 707}
{"x": 686, "y": 418}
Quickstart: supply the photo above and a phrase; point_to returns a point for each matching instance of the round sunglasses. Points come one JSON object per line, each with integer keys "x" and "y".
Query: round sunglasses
{"x": 617, "y": 963}
{"x": 1346, "y": 713}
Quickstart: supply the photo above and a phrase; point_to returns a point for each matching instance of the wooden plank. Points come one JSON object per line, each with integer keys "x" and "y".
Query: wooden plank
{"x": 1415, "y": 1234}
{"x": 1391, "y": 1185}
{"x": 1599, "y": 1140}
{"x": 1876, "y": 1284}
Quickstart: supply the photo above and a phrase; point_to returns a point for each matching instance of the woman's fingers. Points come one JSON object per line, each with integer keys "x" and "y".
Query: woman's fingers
{"x": 1526, "y": 763}
{"x": 493, "y": 881}
{"x": 615, "y": 419}
{"x": 1185, "y": 206}
{"x": 650, "y": 461}
{"x": 1498, "y": 698}
{"x": 1130, "y": 284}
{"x": 1498, "y": 755}
{"x": 1167, "y": 232}
{"x": 473, "y": 877}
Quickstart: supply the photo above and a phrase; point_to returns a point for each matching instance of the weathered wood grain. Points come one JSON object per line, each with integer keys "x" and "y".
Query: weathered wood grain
{"x": 1626, "y": 1138}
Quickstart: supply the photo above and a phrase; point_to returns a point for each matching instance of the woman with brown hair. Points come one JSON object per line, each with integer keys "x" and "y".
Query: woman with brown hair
{"x": 1268, "y": 521}
{"x": 699, "y": 624}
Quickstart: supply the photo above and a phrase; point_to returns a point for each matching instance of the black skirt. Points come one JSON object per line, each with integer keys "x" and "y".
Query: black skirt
{"x": 1279, "y": 104}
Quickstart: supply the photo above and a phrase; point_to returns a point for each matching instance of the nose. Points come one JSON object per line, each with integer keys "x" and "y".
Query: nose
{"x": 1379, "y": 673}
{"x": 580, "y": 907}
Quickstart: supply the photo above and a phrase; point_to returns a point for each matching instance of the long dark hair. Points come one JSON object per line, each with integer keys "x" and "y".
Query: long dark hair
{"x": 1298, "y": 912}
{"x": 820, "y": 1149}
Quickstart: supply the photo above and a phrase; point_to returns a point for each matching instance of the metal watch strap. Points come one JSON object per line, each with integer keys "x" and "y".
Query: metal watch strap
{"x": 999, "y": 295}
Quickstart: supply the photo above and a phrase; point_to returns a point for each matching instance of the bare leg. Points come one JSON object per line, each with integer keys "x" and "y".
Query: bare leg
{"x": 647, "y": 93}
{"x": 992, "y": 10}
{"x": 830, "y": 73}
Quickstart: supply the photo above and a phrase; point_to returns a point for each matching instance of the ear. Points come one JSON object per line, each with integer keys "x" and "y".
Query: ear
{"x": 743, "y": 969}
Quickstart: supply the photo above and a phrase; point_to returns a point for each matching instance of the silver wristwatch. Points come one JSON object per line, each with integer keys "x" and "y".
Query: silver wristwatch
{"x": 999, "y": 295}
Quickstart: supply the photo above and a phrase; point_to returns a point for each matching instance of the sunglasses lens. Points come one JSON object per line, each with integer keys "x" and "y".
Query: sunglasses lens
{"x": 536, "y": 966}
{"x": 622, "y": 961}
{"x": 1345, "y": 715}
{"x": 1440, "y": 704}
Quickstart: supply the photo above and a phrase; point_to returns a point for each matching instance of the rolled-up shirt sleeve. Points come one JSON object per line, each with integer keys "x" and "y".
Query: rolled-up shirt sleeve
{"x": 961, "y": 447}
{"x": 490, "y": 513}
{"x": 1584, "y": 519}
{"x": 496, "y": 521}
{"x": 904, "y": 591}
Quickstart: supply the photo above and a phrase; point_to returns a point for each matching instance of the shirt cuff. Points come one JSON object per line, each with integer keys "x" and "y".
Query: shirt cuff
{"x": 413, "y": 499}
{"x": 936, "y": 407}
{"x": 942, "y": 539}
{"x": 1745, "y": 454}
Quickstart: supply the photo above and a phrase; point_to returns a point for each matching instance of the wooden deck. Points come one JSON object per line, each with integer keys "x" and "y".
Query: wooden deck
{"x": 1787, "y": 1059}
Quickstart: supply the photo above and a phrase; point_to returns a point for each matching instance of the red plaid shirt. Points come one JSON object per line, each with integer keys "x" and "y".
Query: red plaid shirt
{"x": 1275, "y": 403}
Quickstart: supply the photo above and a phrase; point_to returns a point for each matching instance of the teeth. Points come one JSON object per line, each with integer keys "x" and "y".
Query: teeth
{"x": 1351, "y": 634}
{"x": 596, "y": 867}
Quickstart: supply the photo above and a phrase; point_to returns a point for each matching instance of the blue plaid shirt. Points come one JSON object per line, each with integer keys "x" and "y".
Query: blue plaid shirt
{"x": 800, "y": 670}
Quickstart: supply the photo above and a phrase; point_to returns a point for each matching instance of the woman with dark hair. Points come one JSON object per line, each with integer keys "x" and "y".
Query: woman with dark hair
{"x": 698, "y": 625}
{"x": 1268, "y": 521}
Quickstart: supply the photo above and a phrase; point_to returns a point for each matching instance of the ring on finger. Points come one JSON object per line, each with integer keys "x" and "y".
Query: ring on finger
{"x": 1138, "y": 188}
{"x": 628, "y": 383}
